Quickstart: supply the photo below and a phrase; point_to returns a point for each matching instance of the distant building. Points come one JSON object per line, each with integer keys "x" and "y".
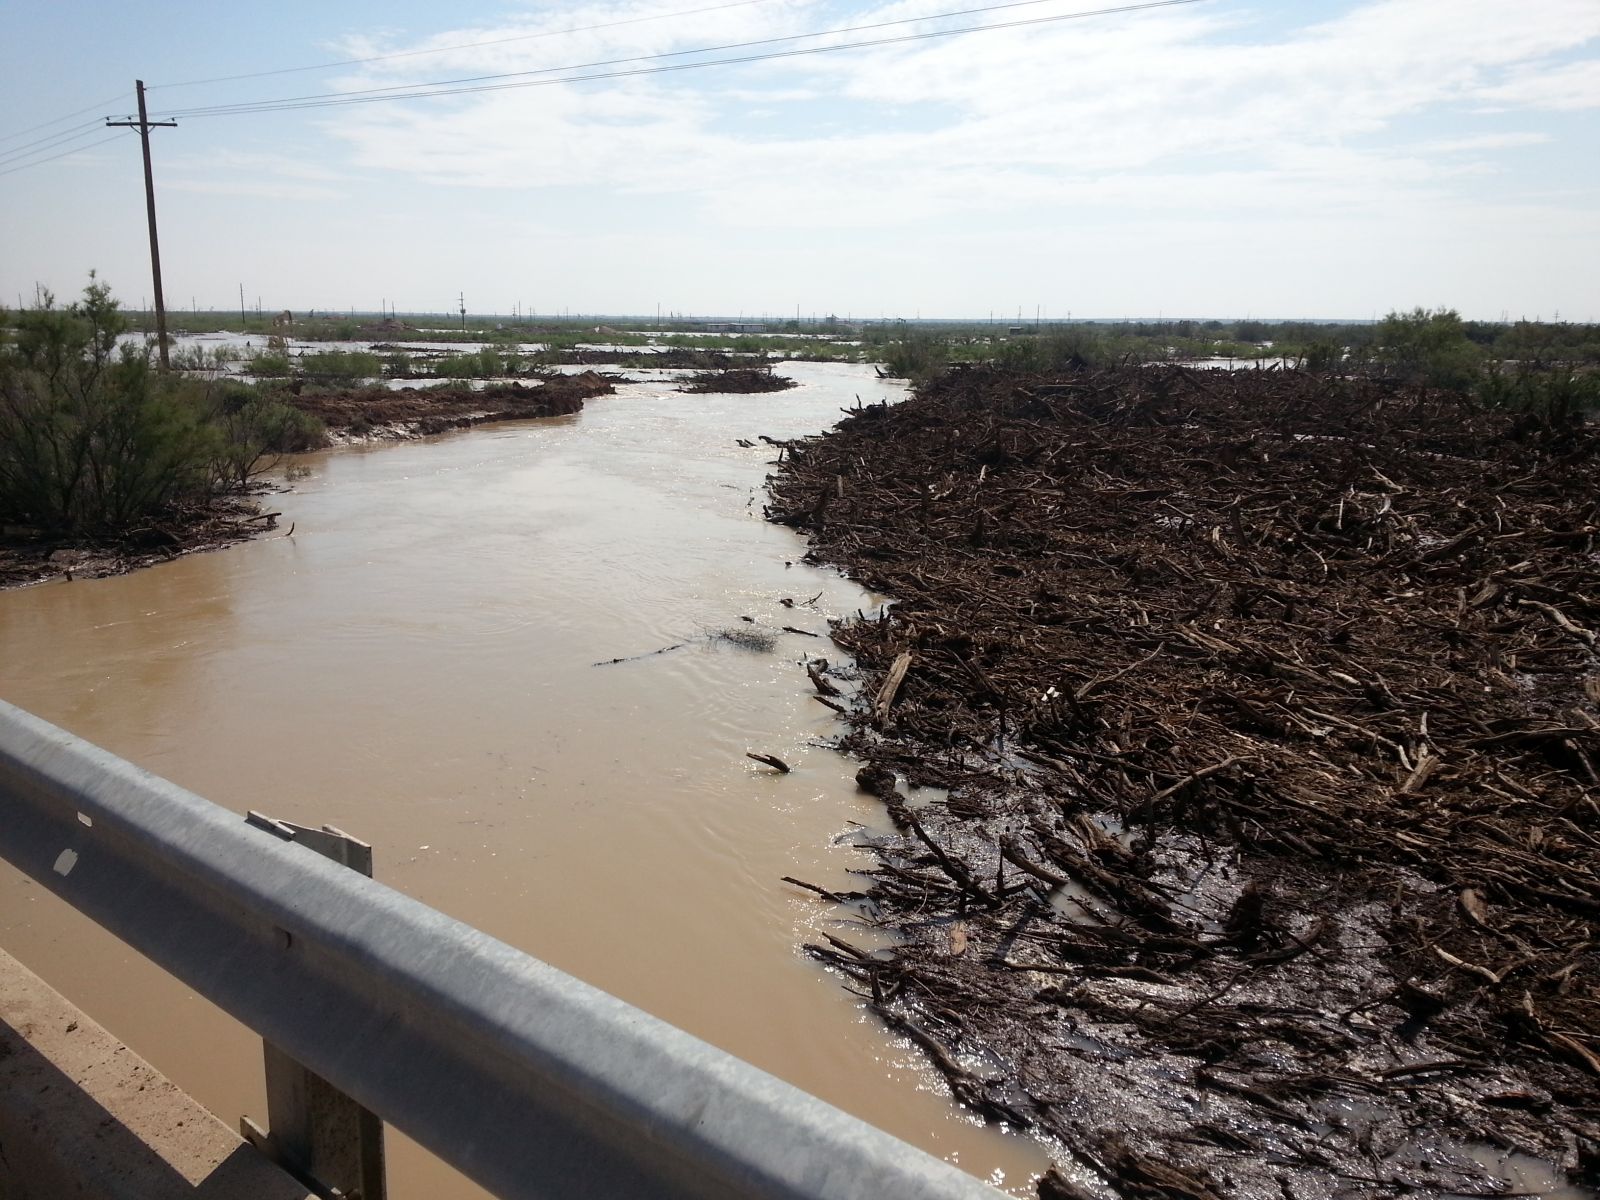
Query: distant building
{"x": 734, "y": 327}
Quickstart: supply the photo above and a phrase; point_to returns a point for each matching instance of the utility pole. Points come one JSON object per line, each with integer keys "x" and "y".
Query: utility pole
{"x": 144, "y": 124}
{"x": 462, "y": 301}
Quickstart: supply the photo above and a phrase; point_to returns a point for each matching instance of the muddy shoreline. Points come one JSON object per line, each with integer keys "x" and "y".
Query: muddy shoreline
{"x": 353, "y": 416}
{"x": 1240, "y": 734}
{"x": 31, "y": 556}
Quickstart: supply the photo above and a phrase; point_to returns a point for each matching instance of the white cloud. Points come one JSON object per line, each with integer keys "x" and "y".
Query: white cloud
{"x": 262, "y": 174}
{"x": 1571, "y": 86}
{"x": 1396, "y": 152}
{"x": 1484, "y": 141}
{"x": 1046, "y": 114}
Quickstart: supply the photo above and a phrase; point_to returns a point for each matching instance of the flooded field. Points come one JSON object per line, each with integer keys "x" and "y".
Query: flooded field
{"x": 416, "y": 665}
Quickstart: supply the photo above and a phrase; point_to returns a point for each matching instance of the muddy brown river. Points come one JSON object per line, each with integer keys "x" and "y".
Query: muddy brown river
{"x": 415, "y": 665}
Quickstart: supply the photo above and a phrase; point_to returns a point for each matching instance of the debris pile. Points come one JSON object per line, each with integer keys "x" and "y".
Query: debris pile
{"x": 738, "y": 380}
{"x": 678, "y": 358}
{"x": 32, "y": 556}
{"x": 1265, "y": 714}
{"x": 382, "y": 413}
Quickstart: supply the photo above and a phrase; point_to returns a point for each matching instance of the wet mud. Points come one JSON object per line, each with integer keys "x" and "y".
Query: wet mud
{"x": 1240, "y": 735}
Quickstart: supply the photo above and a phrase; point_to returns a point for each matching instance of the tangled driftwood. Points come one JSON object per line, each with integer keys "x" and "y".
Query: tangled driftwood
{"x": 1268, "y": 708}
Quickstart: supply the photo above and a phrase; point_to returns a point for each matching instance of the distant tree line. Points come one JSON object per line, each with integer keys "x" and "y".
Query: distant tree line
{"x": 1552, "y": 369}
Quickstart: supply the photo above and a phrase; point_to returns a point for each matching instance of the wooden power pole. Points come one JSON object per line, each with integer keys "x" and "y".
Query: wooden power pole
{"x": 144, "y": 125}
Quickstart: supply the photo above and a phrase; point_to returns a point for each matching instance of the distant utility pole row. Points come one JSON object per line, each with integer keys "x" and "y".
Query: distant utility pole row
{"x": 144, "y": 125}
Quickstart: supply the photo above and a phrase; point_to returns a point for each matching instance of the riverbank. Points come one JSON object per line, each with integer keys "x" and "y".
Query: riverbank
{"x": 351, "y": 416}
{"x": 1241, "y": 734}
{"x": 29, "y": 556}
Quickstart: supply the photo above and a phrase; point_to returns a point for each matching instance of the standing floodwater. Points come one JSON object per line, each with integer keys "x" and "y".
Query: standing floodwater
{"x": 415, "y": 665}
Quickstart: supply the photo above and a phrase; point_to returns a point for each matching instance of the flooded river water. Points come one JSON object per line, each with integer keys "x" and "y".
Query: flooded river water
{"x": 415, "y": 665}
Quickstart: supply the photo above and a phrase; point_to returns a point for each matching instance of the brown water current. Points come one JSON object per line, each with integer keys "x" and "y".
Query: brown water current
{"x": 415, "y": 665}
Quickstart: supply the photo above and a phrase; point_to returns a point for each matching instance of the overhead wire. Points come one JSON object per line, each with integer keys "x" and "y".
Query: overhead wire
{"x": 612, "y": 62}
{"x": 563, "y": 74}
{"x": 27, "y": 149}
{"x": 521, "y": 37}
{"x": 63, "y": 154}
{"x": 485, "y": 83}
{"x": 99, "y": 106}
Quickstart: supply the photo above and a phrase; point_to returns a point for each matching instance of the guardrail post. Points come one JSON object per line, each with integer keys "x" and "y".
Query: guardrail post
{"x": 327, "y": 1140}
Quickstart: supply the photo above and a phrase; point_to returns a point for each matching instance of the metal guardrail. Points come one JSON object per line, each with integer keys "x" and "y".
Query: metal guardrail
{"x": 530, "y": 1082}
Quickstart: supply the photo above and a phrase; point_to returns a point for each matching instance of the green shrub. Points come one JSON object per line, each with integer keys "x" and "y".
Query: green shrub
{"x": 253, "y": 429}
{"x": 1430, "y": 348}
{"x": 340, "y": 364}
{"x": 93, "y": 442}
{"x": 1320, "y": 357}
{"x": 487, "y": 363}
{"x": 90, "y": 440}
{"x": 1059, "y": 350}
{"x": 1557, "y": 394}
{"x": 270, "y": 364}
{"x": 917, "y": 356}
{"x": 201, "y": 358}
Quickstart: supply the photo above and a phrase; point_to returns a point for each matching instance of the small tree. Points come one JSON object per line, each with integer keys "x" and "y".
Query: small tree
{"x": 1322, "y": 356}
{"x": 88, "y": 444}
{"x": 94, "y": 443}
{"x": 254, "y": 430}
{"x": 1429, "y": 348}
{"x": 915, "y": 355}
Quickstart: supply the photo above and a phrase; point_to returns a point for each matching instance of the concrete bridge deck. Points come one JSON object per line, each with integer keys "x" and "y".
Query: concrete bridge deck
{"x": 83, "y": 1116}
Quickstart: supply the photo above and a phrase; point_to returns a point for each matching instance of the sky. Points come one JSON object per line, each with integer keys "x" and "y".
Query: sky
{"x": 1215, "y": 158}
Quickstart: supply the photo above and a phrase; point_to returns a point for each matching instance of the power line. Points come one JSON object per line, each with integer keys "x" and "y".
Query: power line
{"x": 521, "y": 37}
{"x": 450, "y": 88}
{"x": 99, "y": 106}
{"x": 38, "y": 145}
{"x": 612, "y": 62}
{"x": 74, "y": 150}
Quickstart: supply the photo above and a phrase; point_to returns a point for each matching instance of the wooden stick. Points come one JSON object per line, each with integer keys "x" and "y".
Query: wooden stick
{"x": 1231, "y": 760}
{"x": 891, "y": 686}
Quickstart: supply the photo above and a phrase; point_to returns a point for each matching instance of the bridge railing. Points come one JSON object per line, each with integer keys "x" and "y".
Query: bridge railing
{"x": 527, "y": 1080}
